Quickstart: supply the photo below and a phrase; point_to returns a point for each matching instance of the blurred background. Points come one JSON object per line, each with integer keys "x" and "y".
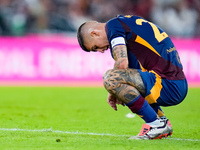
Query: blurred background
{"x": 22, "y": 17}
{"x": 38, "y": 37}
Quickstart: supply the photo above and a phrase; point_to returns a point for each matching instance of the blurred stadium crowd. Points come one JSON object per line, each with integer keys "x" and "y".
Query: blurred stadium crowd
{"x": 179, "y": 18}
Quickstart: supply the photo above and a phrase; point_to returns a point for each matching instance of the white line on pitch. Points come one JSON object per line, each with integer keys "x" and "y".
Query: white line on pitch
{"x": 83, "y": 133}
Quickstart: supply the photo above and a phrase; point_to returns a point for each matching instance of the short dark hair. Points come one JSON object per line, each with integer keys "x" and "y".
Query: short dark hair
{"x": 81, "y": 39}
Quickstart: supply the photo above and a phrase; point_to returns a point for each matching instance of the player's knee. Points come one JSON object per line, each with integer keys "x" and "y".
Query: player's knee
{"x": 110, "y": 80}
{"x": 106, "y": 74}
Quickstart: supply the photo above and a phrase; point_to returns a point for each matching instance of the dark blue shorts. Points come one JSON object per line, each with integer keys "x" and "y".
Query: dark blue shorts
{"x": 162, "y": 91}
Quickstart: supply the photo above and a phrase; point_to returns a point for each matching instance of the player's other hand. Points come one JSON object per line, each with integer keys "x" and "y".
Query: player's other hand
{"x": 112, "y": 101}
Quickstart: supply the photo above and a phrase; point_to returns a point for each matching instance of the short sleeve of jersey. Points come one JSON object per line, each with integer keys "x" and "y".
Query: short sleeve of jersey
{"x": 115, "y": 32}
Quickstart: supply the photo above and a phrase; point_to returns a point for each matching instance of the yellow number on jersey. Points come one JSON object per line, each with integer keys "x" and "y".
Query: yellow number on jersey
{"x": 128, "y": 16}
{"x": 159, "y": 36}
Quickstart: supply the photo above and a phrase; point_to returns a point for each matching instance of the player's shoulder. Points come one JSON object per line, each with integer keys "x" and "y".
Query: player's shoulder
{"x": 122, "y": 18}
{"x": 127, "y": 17}
{"x": 112, "y": 21}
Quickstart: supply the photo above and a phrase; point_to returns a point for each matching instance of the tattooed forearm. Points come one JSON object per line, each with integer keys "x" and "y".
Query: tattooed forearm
{"x": 123, "y": 54}
{"x": 120, "y": 56}
{"x": 119, "y": 51}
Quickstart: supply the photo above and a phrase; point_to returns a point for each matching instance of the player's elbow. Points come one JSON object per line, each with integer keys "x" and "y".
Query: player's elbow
{"x": 121, "y": 64}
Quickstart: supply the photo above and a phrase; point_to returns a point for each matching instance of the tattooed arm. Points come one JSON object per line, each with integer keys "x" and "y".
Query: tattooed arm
{"x": 121, "y": 62}
{"x": 120, "y": 56}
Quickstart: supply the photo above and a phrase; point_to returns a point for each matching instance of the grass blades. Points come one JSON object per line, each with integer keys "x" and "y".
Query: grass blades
{"x": 80, "y": 118}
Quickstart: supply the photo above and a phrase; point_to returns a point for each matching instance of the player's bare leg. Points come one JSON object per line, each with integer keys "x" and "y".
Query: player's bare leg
{"x": 126, "y": 86}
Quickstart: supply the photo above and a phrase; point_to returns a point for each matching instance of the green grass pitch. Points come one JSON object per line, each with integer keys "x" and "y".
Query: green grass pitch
{"x": 80, "y": 118}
